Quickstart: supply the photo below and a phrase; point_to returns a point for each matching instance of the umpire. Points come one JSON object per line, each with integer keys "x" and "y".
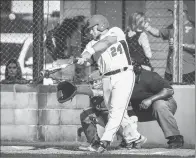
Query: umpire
{"x": 152, "y": 99}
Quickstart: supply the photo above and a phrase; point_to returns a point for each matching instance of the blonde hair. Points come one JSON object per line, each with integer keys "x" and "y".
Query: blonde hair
{"x": 136, "y": 20}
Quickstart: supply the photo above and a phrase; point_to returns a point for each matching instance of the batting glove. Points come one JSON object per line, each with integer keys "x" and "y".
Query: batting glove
{"x": 81, "y": 61}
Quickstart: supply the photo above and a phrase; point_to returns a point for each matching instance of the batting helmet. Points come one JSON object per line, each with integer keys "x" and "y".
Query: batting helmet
{"x": 99, "y": 20}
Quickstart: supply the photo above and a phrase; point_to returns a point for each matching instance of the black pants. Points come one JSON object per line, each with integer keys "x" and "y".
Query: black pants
{"x": 188, "y": 78}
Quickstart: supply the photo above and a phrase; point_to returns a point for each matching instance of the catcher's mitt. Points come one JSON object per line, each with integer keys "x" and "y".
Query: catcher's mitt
{"x": 65, "y": 91}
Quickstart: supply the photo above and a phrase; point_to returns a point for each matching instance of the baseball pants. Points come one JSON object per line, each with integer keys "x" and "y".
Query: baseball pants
{"x": 117, "y": 92}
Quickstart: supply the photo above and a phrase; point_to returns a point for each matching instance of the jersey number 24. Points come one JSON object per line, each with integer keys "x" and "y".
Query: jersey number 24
{"x": 116, "y": 49}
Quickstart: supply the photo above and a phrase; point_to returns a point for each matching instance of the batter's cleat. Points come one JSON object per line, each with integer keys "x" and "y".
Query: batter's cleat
{"x": 175, "y": 142}
{"x": 138, "y": 143}
{"x": 102, "y": 146}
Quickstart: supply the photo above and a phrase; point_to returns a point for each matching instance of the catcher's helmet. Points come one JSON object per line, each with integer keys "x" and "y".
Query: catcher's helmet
{"x": 99, "y": 20}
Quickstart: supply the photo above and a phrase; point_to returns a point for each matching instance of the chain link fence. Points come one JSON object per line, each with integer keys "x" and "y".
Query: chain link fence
{"x": 23, "y": 27}
{"x": 16, "y": 36}
{"x": 174, "y": 22}
{"x": 65, "y": 36}
{"x": 68, "y": 39}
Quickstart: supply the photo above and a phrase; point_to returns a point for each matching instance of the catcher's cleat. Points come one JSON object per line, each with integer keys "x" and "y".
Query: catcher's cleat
{"x": 92, "y": 147}
{"x": 87, "y": 148}
{"x": 99, "y": 147}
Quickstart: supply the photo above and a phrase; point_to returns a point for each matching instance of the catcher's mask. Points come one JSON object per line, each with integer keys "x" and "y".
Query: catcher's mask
{"x": 65, "y": 91}
{"x": 99, "y": 20}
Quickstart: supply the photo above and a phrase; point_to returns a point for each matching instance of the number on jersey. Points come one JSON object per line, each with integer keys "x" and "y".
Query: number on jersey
{"x": 116, "y": 49}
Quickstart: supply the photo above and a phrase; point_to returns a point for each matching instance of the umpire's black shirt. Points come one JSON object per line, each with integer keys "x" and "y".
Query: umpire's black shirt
{"x": 149, "y": 84}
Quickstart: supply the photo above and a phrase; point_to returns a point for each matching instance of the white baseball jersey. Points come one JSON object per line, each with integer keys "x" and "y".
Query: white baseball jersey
{"x": 114, "y": 57}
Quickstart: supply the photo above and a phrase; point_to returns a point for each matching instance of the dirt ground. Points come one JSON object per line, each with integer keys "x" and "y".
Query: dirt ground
{"x": 72, "y": 151}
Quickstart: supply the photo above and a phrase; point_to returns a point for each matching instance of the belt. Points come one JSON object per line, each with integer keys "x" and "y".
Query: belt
{"x": 115, "y": 71}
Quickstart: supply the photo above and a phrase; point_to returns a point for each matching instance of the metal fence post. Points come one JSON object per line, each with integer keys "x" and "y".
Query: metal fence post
{"x": 178, "y": 41}
{"x": 123, "y": 15}
{"x": 38, "y": 31}
{"x": 175, "y": 48}
{"x": 180, "y": 48}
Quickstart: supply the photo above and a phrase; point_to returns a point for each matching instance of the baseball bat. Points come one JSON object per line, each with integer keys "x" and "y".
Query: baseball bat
{"x": 48, "y": 72}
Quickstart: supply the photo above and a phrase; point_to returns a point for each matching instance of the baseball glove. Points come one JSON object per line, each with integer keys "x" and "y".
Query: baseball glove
{"x": 65, "y": 91}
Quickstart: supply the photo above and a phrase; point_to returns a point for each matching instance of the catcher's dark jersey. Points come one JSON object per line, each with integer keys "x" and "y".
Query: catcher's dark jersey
{"x": 150, "y": 83}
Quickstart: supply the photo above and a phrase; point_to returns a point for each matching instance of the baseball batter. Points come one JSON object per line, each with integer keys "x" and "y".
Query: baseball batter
{"x": 109, "y": 49}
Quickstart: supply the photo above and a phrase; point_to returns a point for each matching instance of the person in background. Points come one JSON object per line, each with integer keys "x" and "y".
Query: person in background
{"x": 13, "y": 73}
{"x": 137, "y": 39}
{"x": 188, "y": 46}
